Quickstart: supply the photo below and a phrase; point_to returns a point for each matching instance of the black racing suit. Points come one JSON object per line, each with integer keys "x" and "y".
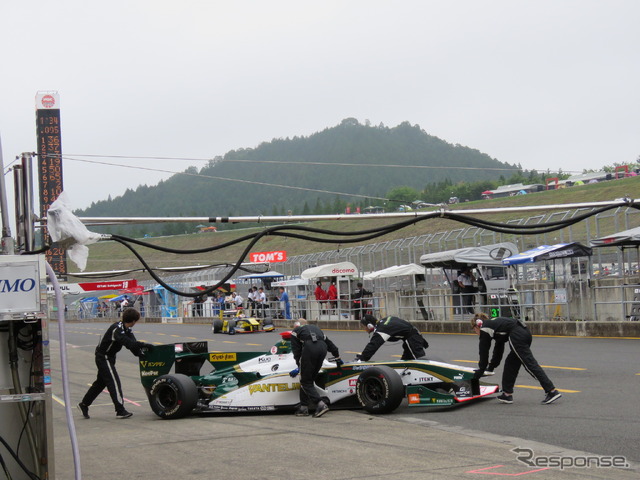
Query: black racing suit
{"x": 358, "y": 302}
{"x": 502, "y": 330}
{"x": 116, "y": 336}
{"x": 393, "y": 329}
{"x": 309, "y": 346}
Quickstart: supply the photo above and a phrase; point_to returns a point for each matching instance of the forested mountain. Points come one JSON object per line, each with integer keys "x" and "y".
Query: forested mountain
{"x": 301, "y": 162}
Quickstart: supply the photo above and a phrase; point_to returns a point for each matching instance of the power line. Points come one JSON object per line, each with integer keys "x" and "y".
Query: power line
{"x": 284, "y": 162}
{"x": 250, "y": 182}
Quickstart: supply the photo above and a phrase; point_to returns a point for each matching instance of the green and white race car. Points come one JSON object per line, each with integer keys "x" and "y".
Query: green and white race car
{"x": 185, "y": 378}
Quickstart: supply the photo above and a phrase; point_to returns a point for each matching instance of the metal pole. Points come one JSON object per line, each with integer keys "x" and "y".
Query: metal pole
{"x": 8, "y": 245}
{"x": 27, "y": 190}
{"x": 312, "y": 218}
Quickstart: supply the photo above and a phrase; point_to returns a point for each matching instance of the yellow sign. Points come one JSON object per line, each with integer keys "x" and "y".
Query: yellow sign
{"x": 273, "y": 387}
{"x": 222, "y": 357}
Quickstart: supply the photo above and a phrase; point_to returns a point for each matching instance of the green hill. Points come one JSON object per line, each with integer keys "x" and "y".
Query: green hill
{"x": 303, "y": 174}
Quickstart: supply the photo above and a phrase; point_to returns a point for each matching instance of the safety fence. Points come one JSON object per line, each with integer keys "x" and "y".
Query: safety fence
{"x": 602, "y": 287}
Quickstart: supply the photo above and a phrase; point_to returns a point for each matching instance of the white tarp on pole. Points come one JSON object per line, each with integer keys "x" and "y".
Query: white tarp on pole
{"x": 396, "y": 271}
{"x": 331, "y": 270}
{"x": 461, "y": 257}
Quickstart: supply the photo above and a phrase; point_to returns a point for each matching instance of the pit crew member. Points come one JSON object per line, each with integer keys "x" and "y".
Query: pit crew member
{"x": 309, "y": 346}
{"x": 502, "y": 330}
{"x": 392, "y": 329}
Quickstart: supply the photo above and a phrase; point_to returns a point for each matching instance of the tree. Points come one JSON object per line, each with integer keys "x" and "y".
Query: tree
{"x": 401, "y": 195}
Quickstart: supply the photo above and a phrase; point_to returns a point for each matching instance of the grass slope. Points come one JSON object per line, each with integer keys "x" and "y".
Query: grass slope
{"x": 109, "y": 255}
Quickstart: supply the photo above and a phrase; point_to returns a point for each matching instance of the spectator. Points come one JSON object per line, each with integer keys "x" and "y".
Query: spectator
{"x": 197, "y": 306}
{"x": 358, "y": 301}
{"x": 468, "y": 290}
{"x": 262, "y": 303}
{"x": 237, "y": 300}
{"x": 321, "y": 296}
{"x": 285, "y": 306}
{"x": 332, "y": 295}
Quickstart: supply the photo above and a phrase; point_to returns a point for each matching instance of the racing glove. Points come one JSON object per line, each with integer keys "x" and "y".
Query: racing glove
{"x": 339, "y": 362}
{"x": 294, "y": 372}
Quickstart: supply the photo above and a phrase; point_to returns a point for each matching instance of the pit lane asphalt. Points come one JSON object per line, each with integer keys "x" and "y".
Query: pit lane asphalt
{"x": 408, "y": 444}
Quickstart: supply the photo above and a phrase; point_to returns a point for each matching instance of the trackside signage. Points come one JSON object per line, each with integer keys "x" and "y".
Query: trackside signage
{"x": 19, "y": 287}
{"x": 77, "y": 288}
{"x": 268, "y": 257}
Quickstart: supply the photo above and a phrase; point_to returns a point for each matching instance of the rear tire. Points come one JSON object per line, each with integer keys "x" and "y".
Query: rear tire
{"x": 173, "y": 396}
{"x": 380, "y": 389}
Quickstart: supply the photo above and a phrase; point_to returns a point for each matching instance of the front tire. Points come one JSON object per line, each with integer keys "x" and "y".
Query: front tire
{"x": 217, "y": 325}
{"x": 173, "y": 396}
{"x": 380, "y": 389}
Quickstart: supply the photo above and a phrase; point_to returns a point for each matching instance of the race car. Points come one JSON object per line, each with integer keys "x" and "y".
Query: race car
{"x": 242, "y": 324}
{"x": 185, "y": 378}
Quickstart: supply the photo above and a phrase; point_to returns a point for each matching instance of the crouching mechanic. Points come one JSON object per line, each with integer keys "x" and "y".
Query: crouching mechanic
{"x": 309, "y": 346}
{"x": 392, "y": 329}
{"x": 502, "y": 330}
{"x": 118, "y": 335}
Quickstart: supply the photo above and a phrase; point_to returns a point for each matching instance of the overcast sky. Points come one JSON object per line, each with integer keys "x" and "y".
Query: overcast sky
{"x": 547, "y": 84}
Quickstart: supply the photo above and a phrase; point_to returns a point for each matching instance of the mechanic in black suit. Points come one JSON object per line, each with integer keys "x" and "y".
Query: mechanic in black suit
{"x": 503, "y": 330}
{"x": 309, "y": 346}
{"x": 392, "y": 329}
{"x": 118, "y": 335}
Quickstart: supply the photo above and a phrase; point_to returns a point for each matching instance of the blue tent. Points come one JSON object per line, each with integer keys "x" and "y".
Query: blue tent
{"x": 548, "y": 252}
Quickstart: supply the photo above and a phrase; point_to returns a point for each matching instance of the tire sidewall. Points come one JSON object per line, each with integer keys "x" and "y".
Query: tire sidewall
{"x": 184, "y": 390}
{"x": 393, "y": 390}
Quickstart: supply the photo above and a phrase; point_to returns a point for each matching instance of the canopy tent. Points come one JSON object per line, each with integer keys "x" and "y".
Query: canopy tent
{"x": 626, "y": 238}
{"x": 271, "y": 274}
{"x": 548, "y": 252}
{"x": 293, "y": 282}
{"x": 463, "y": 257}
{"x": 396, "y": 271}
{"x": 331, "y": 270}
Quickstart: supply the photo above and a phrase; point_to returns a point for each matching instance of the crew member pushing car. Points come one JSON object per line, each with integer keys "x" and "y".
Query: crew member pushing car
{"x": 502, "y": 330}
{"x": 118, "y": 335}
{"x": 309, "y": 346}
{"x": 392, "y": 329}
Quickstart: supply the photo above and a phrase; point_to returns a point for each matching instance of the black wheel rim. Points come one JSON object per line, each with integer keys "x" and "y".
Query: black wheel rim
{"x": 166, "y": 398}
{"x": 373, "y": 390}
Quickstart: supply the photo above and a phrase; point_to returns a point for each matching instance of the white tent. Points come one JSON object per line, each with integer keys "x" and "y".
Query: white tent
{"x": 293, "y": 282}
{"x": 461, "y": 257}
{"x": 331, "y": 270}
{"x": 270, "y": 274}
{"x": 396, "y": 271}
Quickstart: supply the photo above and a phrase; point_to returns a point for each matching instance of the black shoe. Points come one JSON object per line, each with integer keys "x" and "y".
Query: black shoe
{"x": 551, "y": 397}
{"x": 321, "y": 409}
{"x": 84, "y": 409}
{"x": 302, "y": 411}
{"x": 505, "y": 398}
{"x": 124, "y": 414}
